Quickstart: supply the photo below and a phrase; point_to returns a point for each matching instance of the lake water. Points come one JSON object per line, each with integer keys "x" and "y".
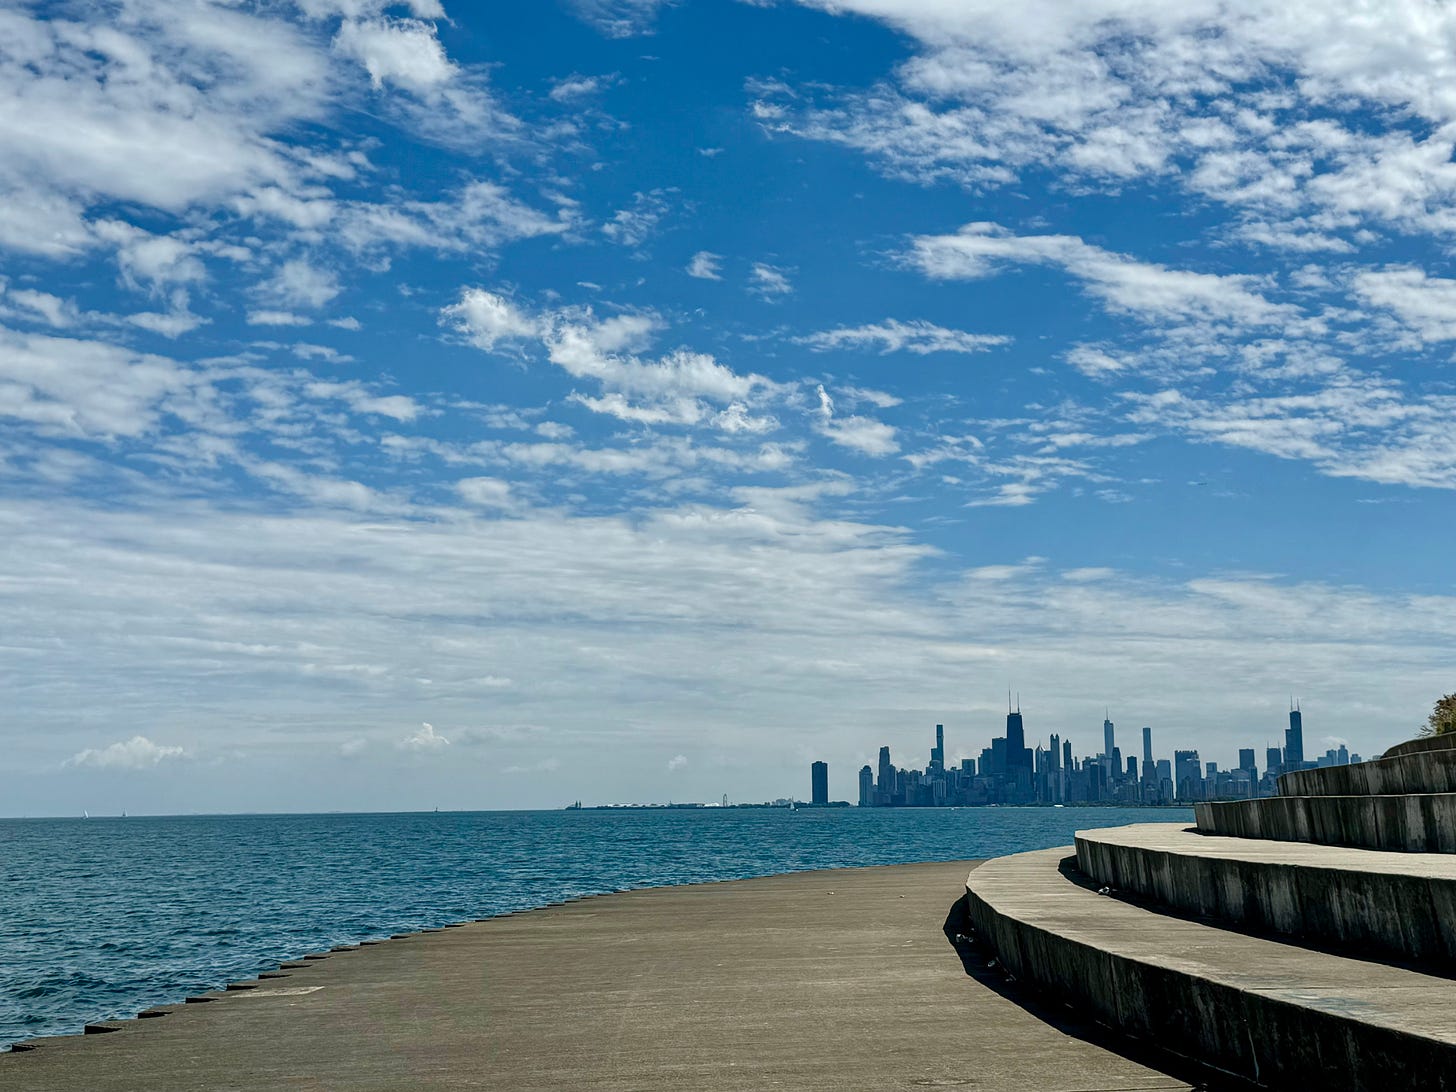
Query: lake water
{"x": 100, "y": 918}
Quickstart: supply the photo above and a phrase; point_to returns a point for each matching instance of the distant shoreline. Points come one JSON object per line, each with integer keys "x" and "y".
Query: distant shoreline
{"x": 140, "y": 816}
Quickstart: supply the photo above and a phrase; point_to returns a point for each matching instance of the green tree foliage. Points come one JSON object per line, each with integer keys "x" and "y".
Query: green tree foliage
{"x": 1443, "y": 717}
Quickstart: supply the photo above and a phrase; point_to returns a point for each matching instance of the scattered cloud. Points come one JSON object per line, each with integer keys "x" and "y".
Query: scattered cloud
{"x": 893, "y": 336}
{"x": 137, "y": 753}
{"x": 1122, "y": 283}
{"x": 426, "y": 739}
{"x": 620, "y": 18}
{"x": 634, "y": 225}
{"x": 705, "y": 265}
{"x": 679, "y": 387}
{"x": 768, "y": 282}
{"x": 862, "y": 434}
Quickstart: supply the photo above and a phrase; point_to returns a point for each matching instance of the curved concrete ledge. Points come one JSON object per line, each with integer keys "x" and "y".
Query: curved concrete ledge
{"x": 1399, "y": 905}
{"x": 1422, "y": 744}
{"x": 1423, "y": 823}
{"x": 1273, "y": 1014}
{"x": 1421, "y": 772}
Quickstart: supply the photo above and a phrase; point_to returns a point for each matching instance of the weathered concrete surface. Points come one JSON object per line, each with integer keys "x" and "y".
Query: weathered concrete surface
{"x": 1444, "y": 742}
{"x": 1278, "y": 1015}
{"x": 820, "y": 980}
{"x": 1425, "y": 771}
{"x": 1411, "y": 824}
{"x": 1399, "y": 905}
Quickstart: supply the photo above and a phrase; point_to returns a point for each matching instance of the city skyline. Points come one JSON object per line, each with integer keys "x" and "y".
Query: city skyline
{"x": 1008, "y": 771}
{"x": 424, "y": 404}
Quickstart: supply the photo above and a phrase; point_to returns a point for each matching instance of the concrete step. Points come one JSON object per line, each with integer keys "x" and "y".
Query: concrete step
{"x": 1416, "y": 771}
{"x": 1420, "y": 744}
{"x": 1367, "y": 901}
{"x": 1274, "y": 1014}
{"x": 1423, "y": 823}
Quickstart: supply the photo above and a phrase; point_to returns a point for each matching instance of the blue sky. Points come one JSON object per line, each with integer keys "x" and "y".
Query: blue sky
{"x": 495, "y": 406}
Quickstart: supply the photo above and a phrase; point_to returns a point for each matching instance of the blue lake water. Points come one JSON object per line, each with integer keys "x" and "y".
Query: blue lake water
{"x": 100, "y": 918}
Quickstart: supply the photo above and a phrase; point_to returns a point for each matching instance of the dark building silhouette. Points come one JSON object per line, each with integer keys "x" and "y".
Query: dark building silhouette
{"x": 819, "y": 783}
{"x": 866, "y": 787}
{"x": 1187, "y": 775}
{"x": 1294, "y": 740}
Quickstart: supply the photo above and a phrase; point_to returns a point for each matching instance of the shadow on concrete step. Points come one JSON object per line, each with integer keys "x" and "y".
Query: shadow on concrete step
{"x": 1060, "y": 1015}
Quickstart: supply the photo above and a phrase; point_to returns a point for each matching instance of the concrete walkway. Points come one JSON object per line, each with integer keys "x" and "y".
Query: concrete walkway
{"x": 819, "y": 980}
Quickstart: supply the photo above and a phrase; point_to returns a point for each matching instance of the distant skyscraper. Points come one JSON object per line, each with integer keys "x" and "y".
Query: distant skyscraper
{"x": 937, "y": 756}
{"x": 1015, "y": 735}
{"x": 1273, "y": 761}
{"x": 819, "y": 783}
{"x": 886, "y": 783}
{"x": 1107, "y": 744}
{"x": 1294, "y": 740}
{"x": 866, "y": 786}
{"x": 1067, "y": 755}
{"x": 1187, "y": 775}
{"x": 1018, "y": 754}
{"x": 1246, "y": 759}
{"x": 1147, "y": 751}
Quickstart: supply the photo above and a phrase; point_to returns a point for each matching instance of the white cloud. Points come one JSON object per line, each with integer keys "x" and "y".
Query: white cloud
{"x": 78, "y": 388}
{"x": 486, "y": 492}
{"x": 1362, "y": 429}
{"x": 1122, "y": 283}
{"x": 679, "y": 387}
{"x": 50, "y": 309}
{"x": 405, "y": 52}
{"x": 676, "y": 762}
{"x": 862, "y": 434}
{"x": 620, "y": 18}
{"x": 635, "y": 225}
{"x": 299, "y": 284}
{"x": 481, "y": 215}
{"x": 426, "y": 739}
{"x": 575, "y": 87}
{"x": 151, "y": 262}
{"x": 137, "y": 753}
{"x": 768, "y": 282}
{"x": 176, "y": 132}
{"x": 1262, "y": 108}
{"x": 171, "y": 324}
{"x": 1425, "y": 304}
{"x": 705, "y": 266}
{"x": 489, "y": 319}
{"x": 267, "y": 317}
{"x": 892, "y": 336}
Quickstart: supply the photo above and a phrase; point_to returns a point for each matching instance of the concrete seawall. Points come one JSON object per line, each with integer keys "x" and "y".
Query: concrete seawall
{"x": 1267, "y": 1012}
{"x": 816, "y": 980}
{"x": 1395, "y": 905}
{"x": 1422, "y": 771}
{"x": 1410, "y": 824}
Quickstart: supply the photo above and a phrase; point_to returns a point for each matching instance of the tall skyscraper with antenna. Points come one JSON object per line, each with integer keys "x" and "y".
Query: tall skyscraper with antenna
{"x": 1107, "y": 734}
{"x": 1018, "y": 754}
{"x": 1294, "y": 738}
